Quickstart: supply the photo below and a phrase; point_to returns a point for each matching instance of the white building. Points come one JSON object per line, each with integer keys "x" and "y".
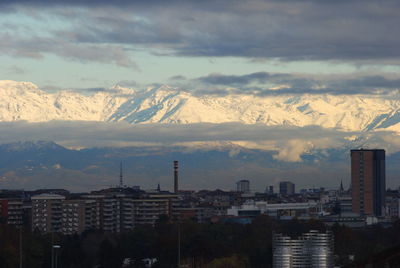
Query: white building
{"x": 280, "y": 210}
{"x": 312, "y": 249}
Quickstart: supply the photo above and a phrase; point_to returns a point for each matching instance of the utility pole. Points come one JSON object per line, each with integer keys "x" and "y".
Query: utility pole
{"x": 179, "y": 244}
{"x": 52, "y": 249}
{"x": 20, "y": 246}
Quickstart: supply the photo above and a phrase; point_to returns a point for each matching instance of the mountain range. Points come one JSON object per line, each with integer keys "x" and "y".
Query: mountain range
{"x": 25, "y": 101}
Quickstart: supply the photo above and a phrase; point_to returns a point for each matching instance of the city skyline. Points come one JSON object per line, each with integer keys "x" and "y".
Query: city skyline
{"x": 211, "y": 133}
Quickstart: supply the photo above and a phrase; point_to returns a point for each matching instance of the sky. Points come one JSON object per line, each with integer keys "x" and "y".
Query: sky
{"x": 73, "y": 44}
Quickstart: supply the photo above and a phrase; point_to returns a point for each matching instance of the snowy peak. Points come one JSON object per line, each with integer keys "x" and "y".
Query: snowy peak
{"x": 25, "y": 101}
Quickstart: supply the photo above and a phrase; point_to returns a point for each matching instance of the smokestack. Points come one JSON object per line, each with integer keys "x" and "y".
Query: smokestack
{"x": 121, "y": 178}
{"x": 175, "y": 177}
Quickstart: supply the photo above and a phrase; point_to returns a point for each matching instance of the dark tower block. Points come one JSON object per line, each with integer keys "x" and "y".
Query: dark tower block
{"x": 368, "y": 181}
{"x": 176, "y": 177}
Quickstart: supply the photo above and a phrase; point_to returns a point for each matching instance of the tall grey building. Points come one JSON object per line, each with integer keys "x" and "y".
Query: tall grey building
{"x": 312, "y": 249}
{"x": 286, "y": 188}
{"x": 243, "y": 186}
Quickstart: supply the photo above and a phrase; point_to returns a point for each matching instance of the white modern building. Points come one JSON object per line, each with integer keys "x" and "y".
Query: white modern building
{"x": 280, "y": 210}
{"x": 312, "y": 249}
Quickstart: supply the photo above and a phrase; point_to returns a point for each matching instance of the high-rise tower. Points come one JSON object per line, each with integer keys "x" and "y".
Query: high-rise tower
{"x": 368, "y": 181}
{"x": 286, "y": 188}
{"x": 243, "y": 186}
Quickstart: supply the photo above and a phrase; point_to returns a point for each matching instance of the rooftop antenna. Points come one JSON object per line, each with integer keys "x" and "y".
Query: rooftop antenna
{"x": 121, "y": 178}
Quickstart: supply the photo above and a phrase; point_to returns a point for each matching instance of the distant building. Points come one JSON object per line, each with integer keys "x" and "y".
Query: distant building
{"x": 393, "y": 206}
{"x": 280, "y": 210}
{"x": 312, "y": 249}
{"x": 243, "y": 186}
{"x": 368, "y": 181}
{"x": 148, "y": 211}
{"x": 269, "y": 190}
{"x": 345, "y": 203}
{"x": 47, "y": 212}
{"x": 286, "y": 188}
{"x": 78, "y": 216}
{"x": 12, "y": 212}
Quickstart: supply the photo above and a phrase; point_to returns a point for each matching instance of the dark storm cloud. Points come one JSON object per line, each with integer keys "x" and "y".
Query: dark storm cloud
{"x": 177, "y": 77}
{"x": 375, "y": 81}
{"x": 235, "y": 80}
{"x": 263, "y": 84}
{"x": 354, "y": 31}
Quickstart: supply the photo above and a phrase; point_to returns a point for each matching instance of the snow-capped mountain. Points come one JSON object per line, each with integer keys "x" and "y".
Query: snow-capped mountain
{"x": 25, "y": 101}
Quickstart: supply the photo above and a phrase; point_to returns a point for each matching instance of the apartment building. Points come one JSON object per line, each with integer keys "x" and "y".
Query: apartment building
{"x": 47, "y": 212}
{"x": 12, "y": 211}
{"x": 368, "y": 181}
{"x": 78, "y": 216}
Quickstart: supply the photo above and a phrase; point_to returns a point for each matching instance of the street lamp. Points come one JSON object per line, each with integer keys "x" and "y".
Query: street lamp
{"x": 55, "y": 248}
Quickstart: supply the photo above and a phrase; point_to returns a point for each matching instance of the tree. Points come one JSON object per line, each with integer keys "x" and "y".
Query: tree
{"x": 108, "y": 255}
{"x": 229, "y": 262}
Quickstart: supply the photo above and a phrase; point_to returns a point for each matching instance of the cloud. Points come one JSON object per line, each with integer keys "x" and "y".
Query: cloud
{"x": 289, "y": 142}
{"x": 37, "y": 47}
{"x": 293, "y": 150}
{"x": 177, "y": 77}
{"x": 128, "y": 83}
{"x": 236, "y": 80}
{"x": 352, "y": 31}
{"x": 55, "y": 89}
{"x": 264, "y": 84}
{"x": 15, "y": 70}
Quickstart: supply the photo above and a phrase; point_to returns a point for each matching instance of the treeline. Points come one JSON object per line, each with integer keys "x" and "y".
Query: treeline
{"x": 202, "y": 245}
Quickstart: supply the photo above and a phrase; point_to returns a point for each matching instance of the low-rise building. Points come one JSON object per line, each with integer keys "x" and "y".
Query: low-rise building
{"x": 279, "y": 210}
